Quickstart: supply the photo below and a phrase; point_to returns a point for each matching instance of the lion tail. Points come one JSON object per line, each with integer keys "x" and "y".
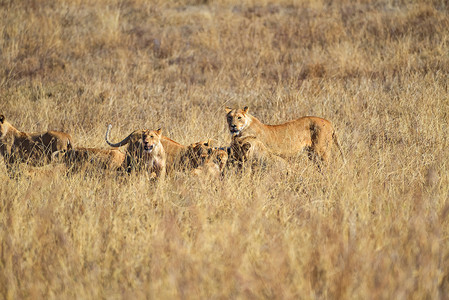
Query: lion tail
{"x": 334, "y": 137}
{"x": 119, "y": 144}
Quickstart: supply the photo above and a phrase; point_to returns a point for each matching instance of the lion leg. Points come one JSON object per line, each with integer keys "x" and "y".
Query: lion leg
{"x": 45, "y": 144}
{"x": 320, "y": 149}
{"x": 130, "y": 164}
{"x": 12, "y": 166}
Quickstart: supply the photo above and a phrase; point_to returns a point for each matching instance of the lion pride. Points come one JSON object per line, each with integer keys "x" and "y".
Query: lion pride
{"x": 314, "y": 134}
{"x": 35, "y": 148}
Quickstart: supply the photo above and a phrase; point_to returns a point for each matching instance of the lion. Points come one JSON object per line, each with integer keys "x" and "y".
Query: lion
{"x": 34, "y": 148}
{"x": 205, "y": 161}
{"x": 199, "y": 154}
{"x": 249, "y": 151}
{"x": 154, "y": 157}
{"x": 314, "y": 134}
{"x": 134, "y": 151}
{"x": 220, "y": 158}
{"x": 81, "y": 158}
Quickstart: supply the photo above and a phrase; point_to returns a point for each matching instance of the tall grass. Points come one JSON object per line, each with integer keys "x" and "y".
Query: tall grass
{"x": 376, "y": 227}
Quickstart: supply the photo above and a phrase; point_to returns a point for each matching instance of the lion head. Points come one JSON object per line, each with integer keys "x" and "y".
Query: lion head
{"x": 196, "y": 154}
{"x": 4, "y": 126}
{"x": 240, "y": 149}
{"x": 150, "y": 139}
{"x": 238, "y": 119}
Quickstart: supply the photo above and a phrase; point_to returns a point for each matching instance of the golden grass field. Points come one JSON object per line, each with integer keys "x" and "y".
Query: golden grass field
{"x": 376, "y": 227}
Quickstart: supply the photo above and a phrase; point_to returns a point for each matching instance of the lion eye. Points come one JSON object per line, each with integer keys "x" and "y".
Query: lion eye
{"x": 239, "y": 118}
{"x": 151, "y": 136}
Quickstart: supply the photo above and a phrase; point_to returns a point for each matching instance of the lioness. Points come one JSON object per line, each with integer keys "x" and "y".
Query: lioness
{"x": 107, "y": 159}
{"x": 154, "y": 156}
{"x": 173, "y": 150}
{"x": 202, "y": 155}
{"x": 313, "y": 134}
{"x": 35, "y": 148}
{"x": 199, "y": 153}
{"x": 250, "y": 151}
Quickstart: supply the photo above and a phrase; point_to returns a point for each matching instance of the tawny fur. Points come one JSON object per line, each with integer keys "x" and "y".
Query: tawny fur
{"x": 249, "y": 151}
{"x": 154, "y": 157}
{"x": 82, "y": 158}
{"x": 198, "y": 153}
{"x": 34, "y": 148}
{"x": 202, "y": 153}
{"x": 314, "y": 134}
{"x": 134, "y": 151}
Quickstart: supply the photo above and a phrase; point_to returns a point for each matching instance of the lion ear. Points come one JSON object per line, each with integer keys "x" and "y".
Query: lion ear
{"x": 209, "y": 143}
{"x": 2, "y": 119}
{"x": 245, "y": 109}
{"x": 228, "y": 109}
{"x": 159, "y": 131}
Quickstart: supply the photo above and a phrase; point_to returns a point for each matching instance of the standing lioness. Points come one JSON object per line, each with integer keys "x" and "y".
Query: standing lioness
{"x": 316, "y": 135}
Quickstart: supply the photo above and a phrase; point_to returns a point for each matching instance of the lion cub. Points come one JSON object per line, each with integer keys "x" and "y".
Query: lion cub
{"x": 153, "y": 158}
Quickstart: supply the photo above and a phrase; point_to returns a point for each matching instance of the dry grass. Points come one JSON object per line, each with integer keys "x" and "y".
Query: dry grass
{"x": 376, "y": 227}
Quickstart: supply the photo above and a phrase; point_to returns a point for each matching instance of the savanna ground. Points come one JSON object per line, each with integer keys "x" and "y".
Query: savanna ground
{"x": 373, "y": 228}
